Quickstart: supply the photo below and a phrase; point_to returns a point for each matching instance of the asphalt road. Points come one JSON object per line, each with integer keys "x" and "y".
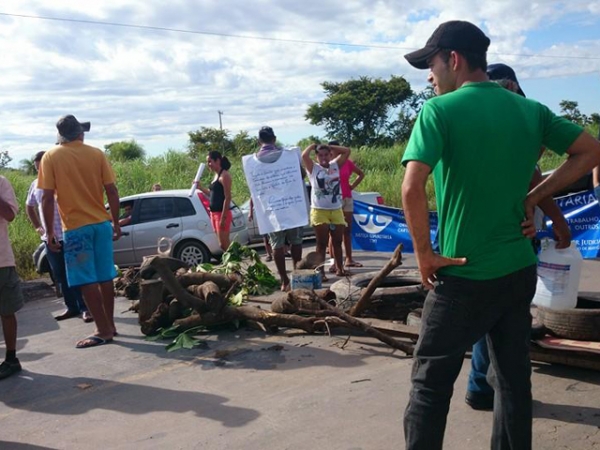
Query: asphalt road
{"x": 247, "y": 390}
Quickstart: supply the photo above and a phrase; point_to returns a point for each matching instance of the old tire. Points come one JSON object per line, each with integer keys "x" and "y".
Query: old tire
{"x": 581, "y": 323}
{"x": 399, "y": 293}
{"x": 192, "y": 252}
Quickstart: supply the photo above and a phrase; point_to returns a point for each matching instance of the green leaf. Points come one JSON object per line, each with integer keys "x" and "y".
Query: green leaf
{"x": 175, "y": 345}
{"x": 237, "y": 299}
{"x": 186, "y": 341}
{"x": 195, "y": 330}
{"x": 170, "y": 332}
{"x": 205, "y": 267}
{"x": 154, "y": 337}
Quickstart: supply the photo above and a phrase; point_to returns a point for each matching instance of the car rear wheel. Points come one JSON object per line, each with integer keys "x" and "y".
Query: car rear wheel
{"x": 192, "y": 252}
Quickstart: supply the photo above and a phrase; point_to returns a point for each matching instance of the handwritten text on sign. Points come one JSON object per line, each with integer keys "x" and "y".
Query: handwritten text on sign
{"x": 277, "y": 191}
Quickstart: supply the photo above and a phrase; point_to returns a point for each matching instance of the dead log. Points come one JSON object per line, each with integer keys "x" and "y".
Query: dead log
{"x": 159, "y": 319}
{"x": 174, "y": 287}
{"x": 365, "y": 297}
{"x": 147, "y": 271}
{"x": 210, "y": 294}
{"x": 175, "y": 310}
{"x": 189, "y": 322}
{"x": 270, "y": 319}
{"x": 301, "y": 299}
{"x": 223, "y": 281}
{"x": 311, "y": 260}
{"x": 403, "y": 346}
{"x": 150, "y": 297}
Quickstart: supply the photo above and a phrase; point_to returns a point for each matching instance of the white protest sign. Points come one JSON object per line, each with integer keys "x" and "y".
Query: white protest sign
{"x": 277, "y": 191}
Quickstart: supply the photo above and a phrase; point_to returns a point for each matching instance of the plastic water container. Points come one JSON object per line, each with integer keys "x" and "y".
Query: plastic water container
{"x": 558, "y": 275}
{"x": 306, "y": 279}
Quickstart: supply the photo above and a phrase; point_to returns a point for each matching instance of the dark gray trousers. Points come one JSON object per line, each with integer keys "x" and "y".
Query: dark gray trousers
{"x": 456, "y": 314}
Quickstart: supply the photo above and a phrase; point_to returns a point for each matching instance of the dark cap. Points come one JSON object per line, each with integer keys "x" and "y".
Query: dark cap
{"x": 454, "y": 35}
{"x": 69, "y": 128}
{"x": 266, "y": 134}
{"x": 503, "y": 72}
{"x": 38, "y": 156}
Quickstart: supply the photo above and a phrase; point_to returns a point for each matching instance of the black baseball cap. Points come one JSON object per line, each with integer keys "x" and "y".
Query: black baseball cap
{"x": 266, "y": 134}
{"x": 454, "y": 35}
{"x": 503, "y": 72}
{"x": 69, "y": 128}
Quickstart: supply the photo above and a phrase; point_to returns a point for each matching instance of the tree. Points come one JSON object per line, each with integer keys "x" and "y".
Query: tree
{"x": 125, "y": 151}
{"x": 401, "y": 128}
{"x": 356, "y": 112}
{"x": 305, "y": 142}
{"x": 595, "y": 120}
{"x": 28, "y": 166}
{"x": 244, "y": 144}
{"x": 207, "y": 139}
{"x": 570, "y": 111}
{"x": 5, "y": 159}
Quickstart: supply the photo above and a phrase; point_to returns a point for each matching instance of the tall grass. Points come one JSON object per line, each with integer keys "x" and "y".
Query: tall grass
{"x": 176, "y": 170}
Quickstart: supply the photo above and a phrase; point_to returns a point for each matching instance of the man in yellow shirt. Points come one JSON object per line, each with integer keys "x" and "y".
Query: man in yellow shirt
{"x": 78, "y": 175}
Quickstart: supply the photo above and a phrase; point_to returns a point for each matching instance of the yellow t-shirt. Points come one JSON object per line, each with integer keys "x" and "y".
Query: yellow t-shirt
{"x": 78, "y": 174}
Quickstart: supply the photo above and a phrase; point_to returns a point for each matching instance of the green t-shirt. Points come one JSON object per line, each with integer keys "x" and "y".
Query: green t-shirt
{"x": 482, "y": 142}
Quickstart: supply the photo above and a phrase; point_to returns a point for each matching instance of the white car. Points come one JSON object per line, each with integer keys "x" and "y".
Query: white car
{"x": 254, "y": 236}
{"x": 184, "y": 221}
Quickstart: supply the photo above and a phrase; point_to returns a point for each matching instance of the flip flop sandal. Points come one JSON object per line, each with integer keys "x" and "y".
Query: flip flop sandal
{"x": 92, "y": 341}
{"x": 354, "y": 264}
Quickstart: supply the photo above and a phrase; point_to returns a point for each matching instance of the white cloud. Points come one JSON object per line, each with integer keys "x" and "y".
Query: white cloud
{"x": 155, "y": 86}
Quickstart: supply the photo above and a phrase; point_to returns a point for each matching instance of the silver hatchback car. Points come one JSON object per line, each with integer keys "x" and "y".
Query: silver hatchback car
{"x": 183, "y": 221}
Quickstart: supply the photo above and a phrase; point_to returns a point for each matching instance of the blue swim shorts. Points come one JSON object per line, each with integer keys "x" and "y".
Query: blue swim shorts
{"x": 89, "y": 254}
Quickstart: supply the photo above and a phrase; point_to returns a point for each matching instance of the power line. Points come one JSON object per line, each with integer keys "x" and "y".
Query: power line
{"x": 265, "y": 38}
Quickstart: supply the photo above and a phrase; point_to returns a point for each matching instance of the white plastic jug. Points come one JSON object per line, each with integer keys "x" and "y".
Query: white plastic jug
{"x": 558, "y": 275}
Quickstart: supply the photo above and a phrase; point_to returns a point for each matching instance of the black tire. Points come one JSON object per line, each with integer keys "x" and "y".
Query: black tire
{"x": 582, "y": 323}
{"x": 192, "y": 252}
{"x": 400, "y": 292}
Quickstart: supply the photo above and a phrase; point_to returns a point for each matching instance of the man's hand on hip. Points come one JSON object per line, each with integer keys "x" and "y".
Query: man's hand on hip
{"x": 429, "y": 265}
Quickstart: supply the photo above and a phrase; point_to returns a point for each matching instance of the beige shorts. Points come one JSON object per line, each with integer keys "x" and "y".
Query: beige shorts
{"x": 348, "y": 204}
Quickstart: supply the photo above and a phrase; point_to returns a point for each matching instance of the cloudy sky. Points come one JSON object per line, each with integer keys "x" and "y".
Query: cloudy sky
{"x": 259, "y": 62}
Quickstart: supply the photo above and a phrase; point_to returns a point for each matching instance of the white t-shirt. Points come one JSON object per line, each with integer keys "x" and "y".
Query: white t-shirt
{"x": 7, "y": 194}
{"x": 325, "y": 187}
{"x": 34, "y": 199}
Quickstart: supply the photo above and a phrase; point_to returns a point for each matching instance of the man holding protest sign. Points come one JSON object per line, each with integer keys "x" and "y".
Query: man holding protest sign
{"x": 277, "y": 192}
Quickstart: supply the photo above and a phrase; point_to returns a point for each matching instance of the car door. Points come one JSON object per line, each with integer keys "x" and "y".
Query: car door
{"x": 123, "y": 248}
{"x": 156, "y": 217}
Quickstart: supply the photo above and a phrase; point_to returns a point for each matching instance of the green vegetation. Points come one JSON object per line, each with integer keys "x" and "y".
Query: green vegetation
{"x": 124, "y": 151}
{"x": 175, "y": 170}
{"x": 357, "y": 112}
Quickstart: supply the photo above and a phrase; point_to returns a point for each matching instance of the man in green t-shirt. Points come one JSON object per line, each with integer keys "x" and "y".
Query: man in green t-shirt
{"x": 481, "y": 142}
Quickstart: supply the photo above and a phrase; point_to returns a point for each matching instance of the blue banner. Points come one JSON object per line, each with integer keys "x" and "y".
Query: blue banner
{"x": 381, "y": 228}
{"x": 583, "y": 215}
